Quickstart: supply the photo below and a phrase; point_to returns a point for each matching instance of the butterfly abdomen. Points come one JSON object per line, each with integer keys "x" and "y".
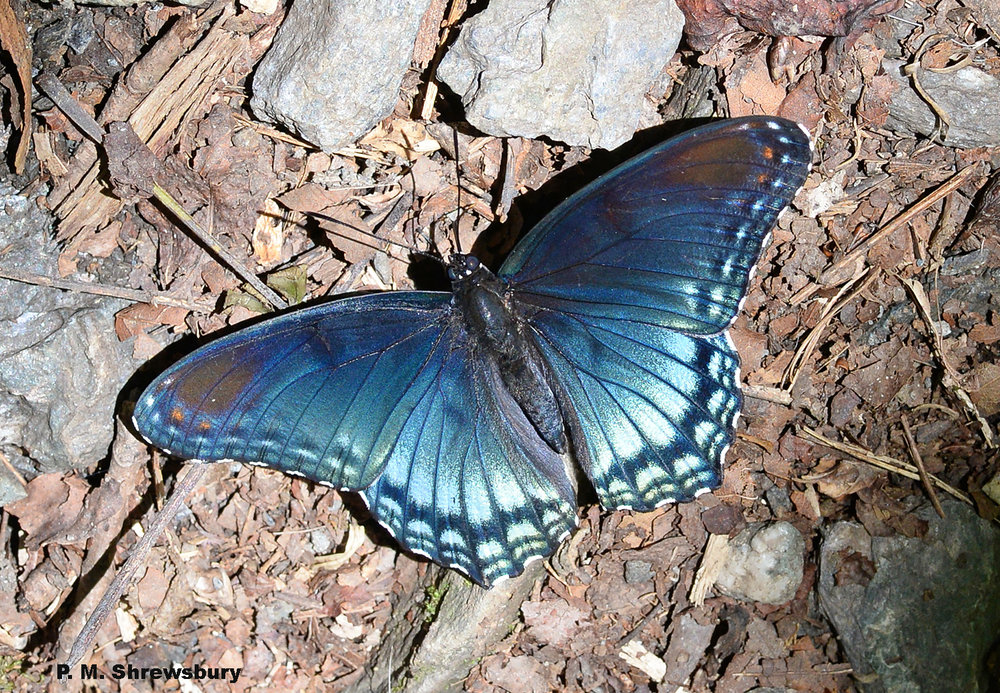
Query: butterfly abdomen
{"x": 498, "y": 338}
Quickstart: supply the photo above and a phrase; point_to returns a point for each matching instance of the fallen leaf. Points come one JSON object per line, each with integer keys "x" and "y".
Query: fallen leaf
{"x": 14, "y": 40}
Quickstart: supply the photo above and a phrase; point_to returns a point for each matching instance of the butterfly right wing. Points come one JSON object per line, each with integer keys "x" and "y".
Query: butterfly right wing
{"x": 651, "y": 410}
{"x": 381, "y": 394}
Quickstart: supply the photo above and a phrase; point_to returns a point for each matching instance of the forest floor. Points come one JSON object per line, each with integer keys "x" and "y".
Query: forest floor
{"x": 861, "y": 330}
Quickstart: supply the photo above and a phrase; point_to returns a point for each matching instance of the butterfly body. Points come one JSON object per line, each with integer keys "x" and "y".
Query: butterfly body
{"x": 604, "y": 333}
{"x": 500, "y": 337}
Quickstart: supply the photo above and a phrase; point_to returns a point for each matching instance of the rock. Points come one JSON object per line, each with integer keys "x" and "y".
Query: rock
{"x": 986, "y": 13}
{"x": 576, "y": 71}
{"x": 638, "y": 571}
{"x": 969, "y": 97}
{"x": 915, "y": 614}
{"x": 335, "y": 67}
{"x": 765, "y": 563}
{"x": 61, "y": 364}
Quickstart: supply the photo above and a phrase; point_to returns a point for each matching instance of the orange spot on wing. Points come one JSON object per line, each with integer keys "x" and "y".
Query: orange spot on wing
{"x": 176, "y": 415}
{"x": 768, "y": 153}
{"x": 204, "y": 425}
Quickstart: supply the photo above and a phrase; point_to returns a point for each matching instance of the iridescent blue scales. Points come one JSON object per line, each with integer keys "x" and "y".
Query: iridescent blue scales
{"x": 602, "y": 339}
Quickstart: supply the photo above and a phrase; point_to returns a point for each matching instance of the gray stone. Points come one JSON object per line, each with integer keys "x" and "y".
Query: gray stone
{"x": 969, "y": 97}
{"x": 576, "y": 71}
{"x": 765, "y": 563}
{"x": 638, "y": 571}
{"x": 61, "y": 364}
{"x": 335, "y": 67}
{"x": 929, "y": 614}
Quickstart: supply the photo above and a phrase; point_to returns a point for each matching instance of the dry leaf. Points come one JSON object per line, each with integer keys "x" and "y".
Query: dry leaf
{"x": 985, "y": 379}
{"x": 405, "y": 138}
{"x": 14, "y": 41}
{"x": 139, "y": 317}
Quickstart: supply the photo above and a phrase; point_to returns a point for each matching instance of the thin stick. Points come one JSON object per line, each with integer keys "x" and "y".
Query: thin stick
{"x": 897, "y": 222}
{"x": 232, "y": 262}
{"x": 889, "y": 464}
{"x": 150, "y": 297}
{"x": 919, "y": 461}
{"x": 70, "y": 107}
{"x": 10, "y": 468}
{"x": 126, "y": 574}
{"x": 767, "y": 394}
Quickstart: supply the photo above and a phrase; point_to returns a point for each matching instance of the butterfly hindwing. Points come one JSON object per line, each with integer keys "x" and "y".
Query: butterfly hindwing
{"x": 653, "y": 410}
{"x": 474, "y": 487}
{"x": 669, "y": 237}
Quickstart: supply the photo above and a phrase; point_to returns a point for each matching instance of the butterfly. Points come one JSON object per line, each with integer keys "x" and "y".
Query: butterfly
{"x": 601, "y": 339}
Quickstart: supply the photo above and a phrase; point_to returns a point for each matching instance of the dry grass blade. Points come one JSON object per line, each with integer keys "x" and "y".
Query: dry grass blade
{"x": 848, "y": 293}
{"x": 889, "y": 464}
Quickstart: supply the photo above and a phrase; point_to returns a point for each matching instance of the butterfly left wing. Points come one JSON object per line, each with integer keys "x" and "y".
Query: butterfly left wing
{"x": 475, "y": 488}
{"x": 381, "y": 394}
{"x": 628, "y": 288}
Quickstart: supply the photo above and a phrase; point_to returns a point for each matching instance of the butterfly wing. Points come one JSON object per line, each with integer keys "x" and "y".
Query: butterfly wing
{"x": 671, "y": 236}
{"x": 653, "y": 410}
{"x": 475, "y": 487}
{"x": 378, "y": 393}
{"x": 629, "y": 287}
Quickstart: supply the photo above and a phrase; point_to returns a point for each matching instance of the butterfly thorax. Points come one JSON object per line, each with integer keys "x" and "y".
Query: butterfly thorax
{"x": 501, "y": 340}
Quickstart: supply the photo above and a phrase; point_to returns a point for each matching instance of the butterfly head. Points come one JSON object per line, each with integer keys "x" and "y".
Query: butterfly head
{"x": 461, "y": 267}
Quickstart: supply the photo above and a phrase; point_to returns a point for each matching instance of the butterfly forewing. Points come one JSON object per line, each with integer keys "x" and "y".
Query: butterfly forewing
{"x": 315, "y": 392}
{"x": 668, "y": 238}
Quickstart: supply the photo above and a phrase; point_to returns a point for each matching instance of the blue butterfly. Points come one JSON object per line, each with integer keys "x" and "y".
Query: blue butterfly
{"x": 603, "y": 335}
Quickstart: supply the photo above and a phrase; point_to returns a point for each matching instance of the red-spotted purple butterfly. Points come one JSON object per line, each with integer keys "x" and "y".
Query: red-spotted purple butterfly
{"x": 603, "y": 338}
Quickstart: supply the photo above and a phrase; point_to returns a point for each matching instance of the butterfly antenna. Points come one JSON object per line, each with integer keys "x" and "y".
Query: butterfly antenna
{"x": 458, "y": 188}
{"x": 368, "y": 239}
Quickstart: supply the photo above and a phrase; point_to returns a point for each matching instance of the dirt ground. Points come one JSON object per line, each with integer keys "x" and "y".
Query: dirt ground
{"x": 872, "y": 320}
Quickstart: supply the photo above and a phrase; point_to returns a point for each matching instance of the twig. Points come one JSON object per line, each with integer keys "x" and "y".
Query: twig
{"x": 767, "y": 394}
{"x": 897, "y": 222}
{"x": 10, "y": 468}
{"x": 232, "y": 262}
{"x": 70, "y": 107}
{"x": 847, "y": 293}
{"x": 918, "y": 460}
{"x": 155, "y": 299}
{"x": 889, "y": 464}
{"x": 126, "y": 574}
